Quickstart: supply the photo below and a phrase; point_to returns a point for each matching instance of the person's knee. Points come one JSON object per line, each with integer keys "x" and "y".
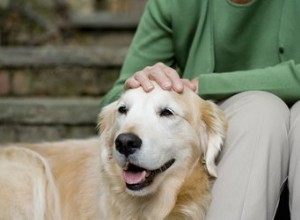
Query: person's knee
{"x": 257, "y": 120}
{"x": 257, "y": 116}
{"x": 295, "y": 125}
{"x": 272, "y": 111}
{"x": 295, "y": 114}
{"x": 266, "y": 103}
{"x": 262, "y": 106}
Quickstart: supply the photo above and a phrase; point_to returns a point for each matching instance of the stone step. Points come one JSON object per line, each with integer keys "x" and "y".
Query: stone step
{"x": 45, "y": 119}
{"x": 42, "y": 22}
{"x": 119, "y": 15}
{"x": 68, "y": 111}
{"x": 59, "y": 71}
{"x": 61, "y": 56}
{"x": 104, "y": 20}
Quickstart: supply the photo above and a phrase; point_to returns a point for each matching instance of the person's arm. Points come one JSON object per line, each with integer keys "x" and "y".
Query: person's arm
{"x": 152, "y": 43}
{"x": 282, "y": 80}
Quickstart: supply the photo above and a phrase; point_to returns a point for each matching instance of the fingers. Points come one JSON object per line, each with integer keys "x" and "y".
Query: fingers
{"x": 193, "y": 85}
{"x": 140, "y": 78}
{"x": 166, "y": 77}
{"x": 131, "y": 83}
{"x": 143, "y": 78}
{"x": 175, "y": 80}
{"x": 158, "y": 73}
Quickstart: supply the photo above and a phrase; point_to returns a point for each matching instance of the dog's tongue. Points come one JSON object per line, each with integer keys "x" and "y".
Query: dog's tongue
{"x": 134, "y": 177}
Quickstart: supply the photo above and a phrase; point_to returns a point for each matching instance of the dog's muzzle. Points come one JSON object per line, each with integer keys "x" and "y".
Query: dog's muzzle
{"x": 136, "y": 177}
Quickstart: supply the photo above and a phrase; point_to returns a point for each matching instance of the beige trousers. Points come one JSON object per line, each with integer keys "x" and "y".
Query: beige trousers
{"x": 262, "y": 149}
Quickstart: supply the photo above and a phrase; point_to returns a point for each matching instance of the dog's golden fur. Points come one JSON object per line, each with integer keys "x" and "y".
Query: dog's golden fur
{"x": 82, "y": 179}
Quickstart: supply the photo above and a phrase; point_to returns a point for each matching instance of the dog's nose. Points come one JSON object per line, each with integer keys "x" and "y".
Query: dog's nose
{"x": 128, "y": 143}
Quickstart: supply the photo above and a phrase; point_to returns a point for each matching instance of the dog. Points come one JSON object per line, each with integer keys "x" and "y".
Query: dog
{"x": 154, "y": 159}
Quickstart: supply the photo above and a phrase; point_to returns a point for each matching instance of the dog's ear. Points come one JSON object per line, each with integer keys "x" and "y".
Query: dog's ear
{"x": 215, "y": 124}
{"x": 106, "y": 121}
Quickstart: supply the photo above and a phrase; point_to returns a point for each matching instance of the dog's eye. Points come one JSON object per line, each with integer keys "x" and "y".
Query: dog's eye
{"x": 166, "y": 112}
{"x": 122, "y": 109}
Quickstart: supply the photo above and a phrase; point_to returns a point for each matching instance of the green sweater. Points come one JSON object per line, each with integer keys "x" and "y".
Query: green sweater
{"x": 231, "y": 48}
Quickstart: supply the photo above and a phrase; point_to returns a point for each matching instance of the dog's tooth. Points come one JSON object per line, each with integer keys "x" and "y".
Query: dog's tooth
{"x": 126, "y": 166}
{"x": 147, "y": 173}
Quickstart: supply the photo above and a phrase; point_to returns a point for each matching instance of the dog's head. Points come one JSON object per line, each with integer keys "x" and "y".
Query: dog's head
{"x": 148, "y": 138}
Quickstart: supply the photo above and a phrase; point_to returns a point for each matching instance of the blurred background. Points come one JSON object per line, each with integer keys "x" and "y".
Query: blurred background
{"x": 57, "y": 59}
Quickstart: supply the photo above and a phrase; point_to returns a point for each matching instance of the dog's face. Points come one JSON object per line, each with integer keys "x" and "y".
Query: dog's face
{"x": 155, "y": 138}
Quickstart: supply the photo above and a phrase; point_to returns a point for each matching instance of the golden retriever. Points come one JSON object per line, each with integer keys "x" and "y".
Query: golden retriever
{"x": 153, "y": 160}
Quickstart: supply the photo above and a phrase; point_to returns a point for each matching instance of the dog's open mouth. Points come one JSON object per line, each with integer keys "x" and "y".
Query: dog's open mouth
{"x": 137, "y": 178}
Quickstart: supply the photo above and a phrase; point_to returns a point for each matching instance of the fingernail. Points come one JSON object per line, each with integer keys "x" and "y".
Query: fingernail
{"x": 178, "y": 87}
{"x": 149, "y": 86}
{"x": 167, "y": 85}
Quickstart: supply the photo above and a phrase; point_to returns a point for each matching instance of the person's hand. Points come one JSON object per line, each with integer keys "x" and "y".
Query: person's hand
{"x": 166, "y": 77}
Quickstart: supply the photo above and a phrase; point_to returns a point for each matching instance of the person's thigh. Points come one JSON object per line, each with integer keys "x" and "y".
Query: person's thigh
{"x": 294, "y": 171}
{"x": 254, "y": 161}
